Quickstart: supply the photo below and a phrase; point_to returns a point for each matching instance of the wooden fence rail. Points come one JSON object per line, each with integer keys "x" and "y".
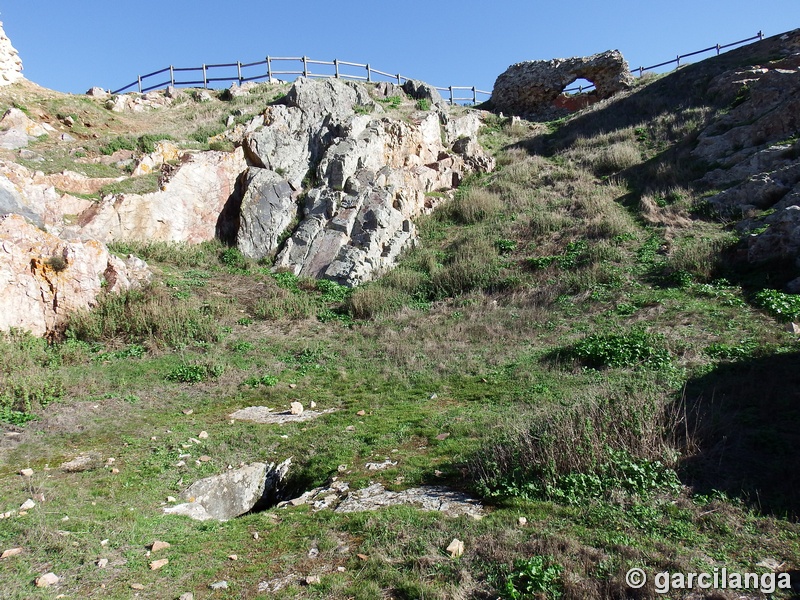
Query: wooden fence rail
{"x": 340, "y": 69}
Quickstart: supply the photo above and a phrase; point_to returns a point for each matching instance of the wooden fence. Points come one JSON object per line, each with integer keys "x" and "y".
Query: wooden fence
{"x": 272, "y": 68}
{"x": 676, "y": 61}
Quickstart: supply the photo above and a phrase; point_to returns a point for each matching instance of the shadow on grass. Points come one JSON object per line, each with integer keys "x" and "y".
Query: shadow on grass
{"x": 743, "y": 420}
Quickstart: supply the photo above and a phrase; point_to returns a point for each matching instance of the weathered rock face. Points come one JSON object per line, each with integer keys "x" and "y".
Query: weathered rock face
{"x": 42, "y": 278}
{"x": 756, "y": 147}
{"x": 530, "y": 88}
{"x": 373, "y": 176}
{"x": 186, "y": 209}
{"x": 233, "y": 493}
{"x": 10, "y": 62}
{"x": 16, "y": 129}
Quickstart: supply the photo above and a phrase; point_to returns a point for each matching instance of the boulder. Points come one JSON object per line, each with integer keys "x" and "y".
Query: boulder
{"x": 17, "y": 129}
{"x": 42, "y": 277}
{"x": 530, "y": 88}
{"x": 233, "y": 493}
{"x": 419, "y": 90}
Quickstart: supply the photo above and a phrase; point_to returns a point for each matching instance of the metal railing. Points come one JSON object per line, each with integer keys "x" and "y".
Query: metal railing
{"x": 244, "y": 72}
{"x": 677, "y": 60}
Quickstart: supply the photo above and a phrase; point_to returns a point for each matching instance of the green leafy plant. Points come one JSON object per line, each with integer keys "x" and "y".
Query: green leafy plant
{"x": 635, "y": 348}
{"x": 782, "y": 306}
{"x": 532, "y": 578}
{"x": 265, "y": 380}
{"x": 195, "y": 373}
{"x": 505, "y": 246}
{"x": 423, "y": 104}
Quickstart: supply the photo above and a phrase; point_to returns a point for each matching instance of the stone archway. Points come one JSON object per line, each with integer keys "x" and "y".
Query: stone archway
{"x": 530, "y": 88}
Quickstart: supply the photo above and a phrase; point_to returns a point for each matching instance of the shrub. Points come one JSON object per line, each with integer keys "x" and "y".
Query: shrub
{"x": 475, "y": 204}
{"x": 535, "y": 577}
{"x": 151, "y": 314}
{"x": 194, "y": 373}
{"x": 636, "y": 348}
{"x": 782, "y": 306}
{"x": 118, "y": 143}
{"x": 471, "y": 265}
{"x": 423, "y": 104}
{"x": 371, "y": 301}
{"x": 588, "y": 450}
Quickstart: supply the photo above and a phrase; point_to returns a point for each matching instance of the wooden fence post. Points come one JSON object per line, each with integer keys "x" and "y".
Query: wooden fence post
{"x": 269, "y": 70}
{"x": 369, "y": 74}
{"x": 239, "y": 71}
{"x": 760, "y": 35}
{"x": 678, "y": 61}
{"x": 451, "y": 95}
{"x": 171, "y": 76}
{"x": 305, "y": 66}
{"x": 336, "y": 67}
{"x": 474, "y": 96}
{"x": 205, "y": 77}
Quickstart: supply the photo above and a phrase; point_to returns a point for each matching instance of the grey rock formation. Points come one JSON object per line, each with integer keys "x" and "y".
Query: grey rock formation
{"x": 756, "y": 149}
{"x": 530, "y": 88}
{"x": 268, "y": 208}
{"x": 369, "y": 177}
{"x": 419, "y": 90}
{"x": 233, "y": 493}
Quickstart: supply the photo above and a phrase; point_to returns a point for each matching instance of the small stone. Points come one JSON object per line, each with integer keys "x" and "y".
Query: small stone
{"x": 180, "y": 463}
{"x": 456, "y": 548}
{"x": 157, "y": 546}
{"x": 522, "y": 521}
{"x": 361, "y": 413}
{"x": 362, "y": 556}
{"x": 115, "y": 471}
{"x": 297, "y": 408}
{"x": 292, "y": 385}
{"x": 102, "y": 563}
{"x": 313, "y": 553}
{"x": 11, "y": 552}
{"x": 27, "y": 505}
{"x": 203, "y": 435}
{"x": 171, "y": 499}
{"x": 313, "y": 404}
{"x": 186, "y": 596}
{"x": 137, "y": 586}
{"x": 233, "y": 557}
{"x": 157, "y": 564}
{"x": 65, "y": 518}
{"x": 26, "y": 472}
{"x": 110, "y": 460}
{"x": 104, "y": 543}
{"x": 219, "y": 585}
{"x": 297, "y": 501}
{"x": 46, "y": 580}
{"x": 433, "y": 396}
{"x": 350, "y": 428}
{"x": 312, "y": 580}
{"x": 205, "y": 458}
{"x": 341, "y": 468}
{"x": 442, "y": 436}
{"x": 255, "y": 535}
{"x": 341, "y": 569}
{"x": 187, "y": 411}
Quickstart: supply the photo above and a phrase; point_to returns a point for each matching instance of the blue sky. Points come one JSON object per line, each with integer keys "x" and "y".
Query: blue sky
{"x": 72, "y": 46}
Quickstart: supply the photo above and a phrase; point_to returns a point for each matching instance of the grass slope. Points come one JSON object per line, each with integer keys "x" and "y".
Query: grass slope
{"x": 571, "y": 322}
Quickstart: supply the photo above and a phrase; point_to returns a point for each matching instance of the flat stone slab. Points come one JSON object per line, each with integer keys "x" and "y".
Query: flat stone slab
{"x": 341, "y": 499}
{"x": 263, "y": 414}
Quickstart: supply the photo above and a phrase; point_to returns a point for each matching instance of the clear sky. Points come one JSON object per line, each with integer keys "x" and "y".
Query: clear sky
{"x": 72, "y": 46}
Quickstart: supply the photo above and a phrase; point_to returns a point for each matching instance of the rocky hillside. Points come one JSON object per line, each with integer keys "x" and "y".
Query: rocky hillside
{"x": 340, "y": 341}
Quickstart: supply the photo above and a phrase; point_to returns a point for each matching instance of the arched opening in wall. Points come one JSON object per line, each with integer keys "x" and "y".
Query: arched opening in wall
{"x": 576, "y": 95}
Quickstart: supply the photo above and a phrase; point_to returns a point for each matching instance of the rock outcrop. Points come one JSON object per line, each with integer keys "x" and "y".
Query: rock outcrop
{"x": 10, "y": 62}
{"x": 371, "y": 176}
{"x": 530, "y": 88}
{"x": 43, "y": 278}
{"x": 187, "y": 208}
{"x": 756, "y": 149}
